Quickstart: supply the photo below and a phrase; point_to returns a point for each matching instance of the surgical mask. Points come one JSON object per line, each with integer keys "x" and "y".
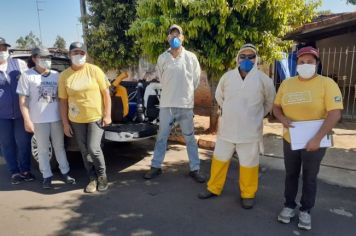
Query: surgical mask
{"x": 4, "y": 55}
{"x": 306, "y": 71}
{"x": 175, "y": 43}
{"x": 44, "y": 63}
{"x": 246, "y": 65}
{"x": 78, "y": 60}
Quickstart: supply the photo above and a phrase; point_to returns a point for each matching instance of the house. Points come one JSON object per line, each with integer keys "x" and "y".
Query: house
{"x": 335, "y": 37}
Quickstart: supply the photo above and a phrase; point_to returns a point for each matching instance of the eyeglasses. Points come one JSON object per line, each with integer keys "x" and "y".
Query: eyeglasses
{"x": 250, "y": 56}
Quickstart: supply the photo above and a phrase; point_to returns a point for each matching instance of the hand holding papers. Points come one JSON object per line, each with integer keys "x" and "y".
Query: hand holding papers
{"x": 304, "y": 131}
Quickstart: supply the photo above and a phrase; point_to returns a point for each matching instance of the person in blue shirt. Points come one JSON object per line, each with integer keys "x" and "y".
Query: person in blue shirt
{"x": 15, "y": 142}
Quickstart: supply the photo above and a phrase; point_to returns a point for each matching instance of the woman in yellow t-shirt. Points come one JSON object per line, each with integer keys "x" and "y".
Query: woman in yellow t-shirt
{"x": 85, "y": 106}
{"x": 305, "y": 97}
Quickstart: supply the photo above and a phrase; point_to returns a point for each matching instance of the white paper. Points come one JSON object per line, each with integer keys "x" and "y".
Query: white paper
{"x": 303, "y": 131}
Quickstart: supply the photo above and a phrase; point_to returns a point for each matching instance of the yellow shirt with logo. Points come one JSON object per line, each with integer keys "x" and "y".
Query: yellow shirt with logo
{"x": 303, "y": 100}
{"x": 83, "y": 89}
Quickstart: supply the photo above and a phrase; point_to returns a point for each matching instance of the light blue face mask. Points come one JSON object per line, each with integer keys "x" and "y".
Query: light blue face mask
{"x": 246, "y": 65}
{"x": 175, "y": 43}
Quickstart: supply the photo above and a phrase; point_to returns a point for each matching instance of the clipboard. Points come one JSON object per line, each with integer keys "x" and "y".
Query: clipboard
{"x": 303, "y": 131}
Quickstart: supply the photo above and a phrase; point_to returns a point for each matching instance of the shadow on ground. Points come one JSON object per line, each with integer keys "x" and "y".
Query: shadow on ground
{"x": 168, "y": 206}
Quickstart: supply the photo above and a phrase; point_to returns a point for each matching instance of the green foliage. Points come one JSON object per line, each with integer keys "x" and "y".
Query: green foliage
{"x": 28, "y": 42}
{"x": 60, "y": 43}
{"x": 351, "y": 2}
{"x": 108, "y": 44}
{"x": 216, "y": 29}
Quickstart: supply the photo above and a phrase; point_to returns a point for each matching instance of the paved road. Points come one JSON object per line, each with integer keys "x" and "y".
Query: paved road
{"x": 165, "y": 206}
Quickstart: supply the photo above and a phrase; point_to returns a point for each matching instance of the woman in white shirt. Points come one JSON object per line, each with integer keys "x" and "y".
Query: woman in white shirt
{"x": 40, "y": 109}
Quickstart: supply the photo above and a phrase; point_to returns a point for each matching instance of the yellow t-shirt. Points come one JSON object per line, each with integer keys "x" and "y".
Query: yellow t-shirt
{"x": 303, "y": 100}
{"x": 83, "y": 89}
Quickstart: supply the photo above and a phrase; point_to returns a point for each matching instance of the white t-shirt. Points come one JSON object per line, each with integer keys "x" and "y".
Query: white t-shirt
{"x": 42, "y": 95}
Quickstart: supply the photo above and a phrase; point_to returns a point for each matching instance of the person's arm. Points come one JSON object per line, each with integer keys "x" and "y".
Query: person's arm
{"x": 107, "y": 107}
{"x": 331, "y": 120}
{"x": 269, "y": 95}
{"x": 23, "y": 101}
{"x": 63, "y": 108}
{"x": 219, "y": 93}
{"x": 278, "y": 113}
{"x": 196, "y": 72}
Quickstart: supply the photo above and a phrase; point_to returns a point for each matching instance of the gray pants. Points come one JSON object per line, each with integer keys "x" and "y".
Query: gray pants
{"x": 43, "y": 133}
{"x": 88, "y": 136}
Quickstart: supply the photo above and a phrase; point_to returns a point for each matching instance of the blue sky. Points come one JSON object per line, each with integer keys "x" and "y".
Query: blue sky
{"x": 61, "y": 17}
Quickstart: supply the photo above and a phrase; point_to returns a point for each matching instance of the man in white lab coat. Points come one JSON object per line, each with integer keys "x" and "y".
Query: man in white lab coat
{"x": 245, "y": 96}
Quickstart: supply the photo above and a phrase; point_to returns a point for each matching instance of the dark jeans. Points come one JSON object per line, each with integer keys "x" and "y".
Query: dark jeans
{"x": 88, "y": 136}
{"x": 15, "y": 145}
{"x": 309, "y": 162}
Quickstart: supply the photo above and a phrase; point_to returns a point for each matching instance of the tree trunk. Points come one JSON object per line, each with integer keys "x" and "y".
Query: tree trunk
{"x": 214, "y": 117}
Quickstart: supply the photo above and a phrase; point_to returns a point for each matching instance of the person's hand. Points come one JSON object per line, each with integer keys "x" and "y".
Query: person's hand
{"x": 106, "y": 121}
{"x": 313, "y": 145}
{"x": 29, "y": 127}
{"x": 67, "y": 130}
{"x": 286, "y": 122}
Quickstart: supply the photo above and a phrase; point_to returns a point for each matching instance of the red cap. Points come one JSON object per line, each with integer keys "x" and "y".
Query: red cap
{"x": 308, "y": 50}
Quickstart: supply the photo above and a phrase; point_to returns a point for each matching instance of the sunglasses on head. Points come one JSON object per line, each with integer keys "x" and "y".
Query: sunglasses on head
{"x": 250, "y": 56}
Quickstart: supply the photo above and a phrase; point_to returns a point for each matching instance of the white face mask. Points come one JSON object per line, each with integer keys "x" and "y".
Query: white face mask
{"x": 306, "y": 71}
{"x": 4, "y": 55}
{"x": 44, "y": 63}
{"x": 78, "y": 60}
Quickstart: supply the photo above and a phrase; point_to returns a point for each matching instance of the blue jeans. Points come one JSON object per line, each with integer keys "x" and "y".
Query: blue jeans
{"x": 184, "y": 117}
{"x": 15, "y": 145}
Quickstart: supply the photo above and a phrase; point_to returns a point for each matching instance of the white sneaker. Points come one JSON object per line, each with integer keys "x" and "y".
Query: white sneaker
{"x": 286, "y": 214}
{"x": 304, "y": 220}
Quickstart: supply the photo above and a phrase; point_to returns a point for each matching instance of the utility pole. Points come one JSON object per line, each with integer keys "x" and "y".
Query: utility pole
{"x": 83, "y": 12}
{"x": 39, "y": 20}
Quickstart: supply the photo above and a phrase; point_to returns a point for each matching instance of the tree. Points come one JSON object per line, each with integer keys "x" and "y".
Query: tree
{"x": 60, "y": 43}
{"x": 351, "y": 2}
{"x": 216, "y": 29}
{"x": 28, "y": 42}
{"x": 106, "y": 37}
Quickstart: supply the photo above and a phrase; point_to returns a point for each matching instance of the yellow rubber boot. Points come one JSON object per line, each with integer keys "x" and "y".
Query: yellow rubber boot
{"x": 248, "y": 181}
{"x": 218, "y": 174}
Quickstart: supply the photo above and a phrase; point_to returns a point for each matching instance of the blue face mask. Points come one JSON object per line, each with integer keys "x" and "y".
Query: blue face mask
{"x": 175, "y": 43}
{"x": 246, "y": 65}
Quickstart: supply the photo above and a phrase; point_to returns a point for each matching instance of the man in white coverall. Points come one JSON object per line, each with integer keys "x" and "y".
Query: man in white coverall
{"x": 245, "y": 96}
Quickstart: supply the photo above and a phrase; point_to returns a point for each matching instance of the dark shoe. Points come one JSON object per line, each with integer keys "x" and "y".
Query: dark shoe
{"x": 197, "y": 176}
{"x": 68, "y": 179}
{"x": 28, "y": 176}
{"x": 91, "y": 187}
{"x": 247, "y": 203}
{"x": 16, "y": 179}
{"x": 152, "y": 173}
{"x": 47, "y": 183}
{"x": 102, "y": 183}
{"x": 206, "y": 194}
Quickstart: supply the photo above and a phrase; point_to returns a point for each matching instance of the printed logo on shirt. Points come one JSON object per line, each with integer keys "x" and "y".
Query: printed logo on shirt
{"x": 297, "y": 97}
{"x": 47, "y": 92}
{"x": 73, "y": 109}
{"x": 338, "y": 99}
{"x": 2, "y": 92}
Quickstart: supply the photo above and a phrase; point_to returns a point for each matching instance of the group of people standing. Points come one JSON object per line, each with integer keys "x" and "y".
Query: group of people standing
{"x": 245, "y": 96}
{"x": 37, "y": 100}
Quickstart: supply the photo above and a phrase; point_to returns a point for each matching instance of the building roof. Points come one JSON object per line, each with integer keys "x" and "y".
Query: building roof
{"x": 324, "y": 26}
